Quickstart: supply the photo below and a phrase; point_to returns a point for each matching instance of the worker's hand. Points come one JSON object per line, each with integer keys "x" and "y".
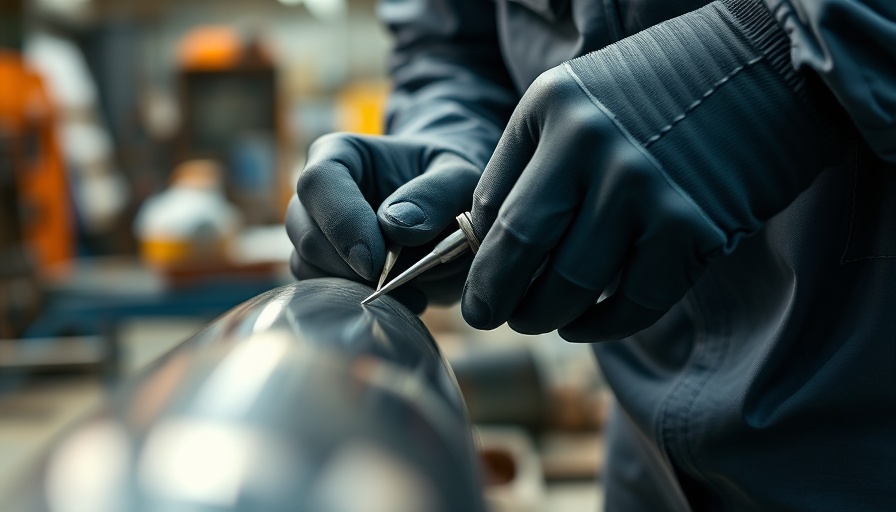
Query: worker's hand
{"x": 356, "y": 192}
{"x": 627, "y": 171}
{"x": 566, "y": 184}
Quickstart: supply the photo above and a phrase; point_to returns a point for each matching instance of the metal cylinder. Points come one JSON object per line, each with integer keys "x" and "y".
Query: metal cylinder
{"x": 300, "y": 399}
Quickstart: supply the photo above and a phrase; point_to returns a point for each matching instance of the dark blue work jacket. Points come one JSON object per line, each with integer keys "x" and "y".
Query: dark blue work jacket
{"x": 772, "y": 384}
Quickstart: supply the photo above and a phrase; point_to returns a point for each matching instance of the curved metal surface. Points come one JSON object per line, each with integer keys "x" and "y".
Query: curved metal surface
{"x": 300, "y": 399}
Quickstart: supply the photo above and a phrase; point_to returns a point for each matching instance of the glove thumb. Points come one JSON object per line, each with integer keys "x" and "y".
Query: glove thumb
{"x": 423, "y": 207}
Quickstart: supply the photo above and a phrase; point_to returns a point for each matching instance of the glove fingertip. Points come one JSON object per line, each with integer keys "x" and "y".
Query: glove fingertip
{"x": 476, "y": 311}
{"x": 408, "y": 223}
{"x": 361, "y": 259}
{"x": 404, "y": 213}
{"x": 294, "y": 264}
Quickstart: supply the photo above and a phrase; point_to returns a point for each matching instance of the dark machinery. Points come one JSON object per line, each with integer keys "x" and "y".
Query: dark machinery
{"x": 35, "y": 227}
{"x": 300, "y": 399}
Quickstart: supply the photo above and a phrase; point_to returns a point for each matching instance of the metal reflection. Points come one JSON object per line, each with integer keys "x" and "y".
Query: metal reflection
{"x": 261, "y": 410}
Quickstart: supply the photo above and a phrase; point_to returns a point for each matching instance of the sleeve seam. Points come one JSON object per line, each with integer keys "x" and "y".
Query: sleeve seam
{"x": 649, "y": 156}
{"x": 693, "y": 106}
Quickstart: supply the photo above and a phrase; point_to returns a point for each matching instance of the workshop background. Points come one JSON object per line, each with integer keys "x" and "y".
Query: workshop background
{"x": 148, "y": 149}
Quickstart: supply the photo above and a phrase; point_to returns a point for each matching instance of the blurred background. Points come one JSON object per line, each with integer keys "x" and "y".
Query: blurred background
{"x": 148, "y": 149}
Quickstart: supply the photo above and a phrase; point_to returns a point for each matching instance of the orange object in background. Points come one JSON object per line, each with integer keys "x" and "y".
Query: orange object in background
{"x": 214, "y": 48}
{"x": 26, "y": 113}
{"x": 210, "y": 48}
{"x": 362, "y": 107}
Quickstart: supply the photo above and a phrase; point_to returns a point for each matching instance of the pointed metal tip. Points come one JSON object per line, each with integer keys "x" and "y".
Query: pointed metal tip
{"x": 370, "y": 299}
{"x": 391, "y": 257}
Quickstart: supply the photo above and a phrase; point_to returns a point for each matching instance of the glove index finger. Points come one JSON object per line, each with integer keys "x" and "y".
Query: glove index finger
{"x": 514, "y": 150}
{"x": 328, "y": 189}
{"x": 532, "y": 220}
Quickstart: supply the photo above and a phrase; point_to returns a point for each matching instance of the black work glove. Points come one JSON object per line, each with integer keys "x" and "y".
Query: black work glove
{"x": 355, "y": 189}
{"x": 641, "y": 163}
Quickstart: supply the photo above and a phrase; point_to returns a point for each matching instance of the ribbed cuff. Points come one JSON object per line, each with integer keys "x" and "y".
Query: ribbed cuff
{"x": 761, "y": 29}
{"x": 766, "y": 35}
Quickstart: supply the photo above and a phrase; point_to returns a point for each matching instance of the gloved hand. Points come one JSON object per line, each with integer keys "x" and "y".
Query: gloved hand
{"x": 640, "y": 162}
{"x": 415, "y": 186}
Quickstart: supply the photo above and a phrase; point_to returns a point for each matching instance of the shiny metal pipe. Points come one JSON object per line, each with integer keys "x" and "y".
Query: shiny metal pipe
{"x": 298, "y": 400}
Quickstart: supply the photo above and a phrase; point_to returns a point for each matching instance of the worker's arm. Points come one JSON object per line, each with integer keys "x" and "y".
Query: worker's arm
{"x": 452, "y": 97}
{"x": 851, "y": 45}
{"x": 449, "y": 79}
{"x": 641, "y": 163}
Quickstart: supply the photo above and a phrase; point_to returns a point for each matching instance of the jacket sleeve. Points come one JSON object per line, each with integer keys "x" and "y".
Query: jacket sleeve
{"x": 449, "y": 79}
{"x": 851, "y": 45}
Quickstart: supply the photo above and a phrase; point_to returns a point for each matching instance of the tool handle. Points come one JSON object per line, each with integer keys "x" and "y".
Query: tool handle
{"x": 453, "y": 246}
{"x": 466, "y": 225}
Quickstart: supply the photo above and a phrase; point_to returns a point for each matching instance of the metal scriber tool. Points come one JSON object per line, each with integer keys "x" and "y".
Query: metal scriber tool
{"x": 448, "y": 249}
{"x": 391, "y": 257}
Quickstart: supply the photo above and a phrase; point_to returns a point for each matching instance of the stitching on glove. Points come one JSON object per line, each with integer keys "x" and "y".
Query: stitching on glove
{"x": 715, "y": 87}
{"x": 600, "y": 106}
{"x": 521, "y": 238}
